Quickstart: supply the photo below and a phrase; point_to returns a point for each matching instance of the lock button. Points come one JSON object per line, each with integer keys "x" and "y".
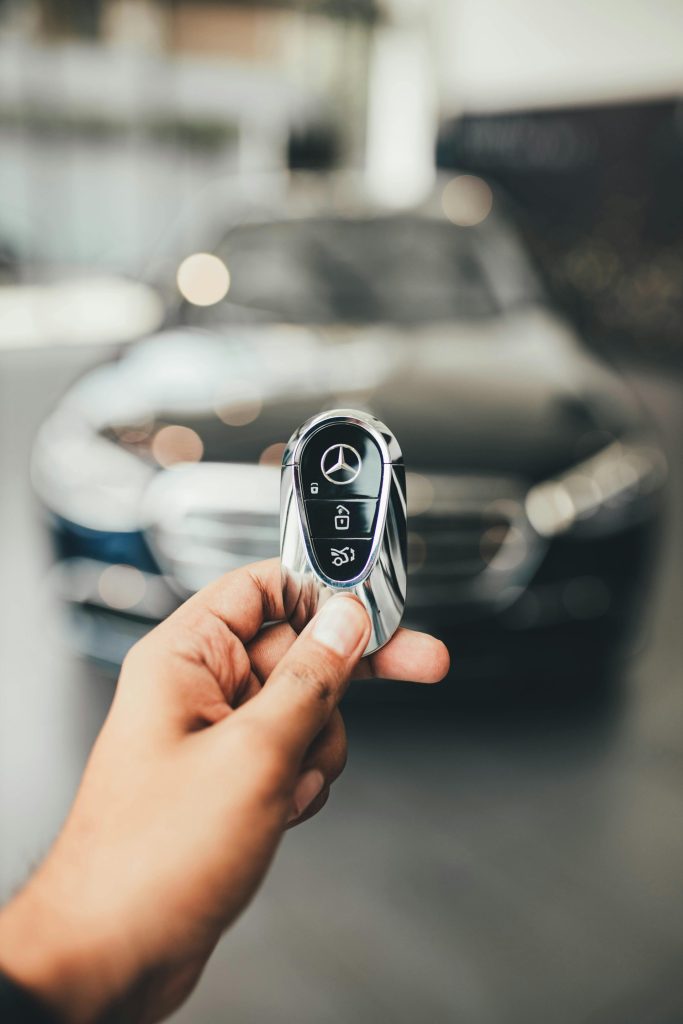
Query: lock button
{"x": 347, "y": 518}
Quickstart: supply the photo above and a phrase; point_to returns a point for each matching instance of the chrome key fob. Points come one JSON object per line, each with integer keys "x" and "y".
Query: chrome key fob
{"x": 343, "y": 519}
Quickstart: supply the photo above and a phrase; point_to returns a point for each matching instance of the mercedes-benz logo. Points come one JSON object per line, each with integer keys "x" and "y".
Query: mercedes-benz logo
{"x": 341, "y": 464}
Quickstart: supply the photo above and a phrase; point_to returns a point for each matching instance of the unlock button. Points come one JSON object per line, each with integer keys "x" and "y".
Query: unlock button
{"x": 350, "y": 518}
{"x": 342, "y": 520}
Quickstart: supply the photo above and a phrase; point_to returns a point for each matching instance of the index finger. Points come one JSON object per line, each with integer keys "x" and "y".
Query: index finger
{"x": 210, "y": 630}
{"x": 242, "y": 599}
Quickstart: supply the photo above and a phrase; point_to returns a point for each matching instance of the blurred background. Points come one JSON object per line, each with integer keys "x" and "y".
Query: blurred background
{"x": 217, "y": 219}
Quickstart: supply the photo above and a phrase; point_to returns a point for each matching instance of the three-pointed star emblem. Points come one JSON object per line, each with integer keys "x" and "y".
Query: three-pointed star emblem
{"x": 341, "y": 464}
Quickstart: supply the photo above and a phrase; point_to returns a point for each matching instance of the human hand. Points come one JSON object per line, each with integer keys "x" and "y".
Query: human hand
{"x": 221, "y": 733}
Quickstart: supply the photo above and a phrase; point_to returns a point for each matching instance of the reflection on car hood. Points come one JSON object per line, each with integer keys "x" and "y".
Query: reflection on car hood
{"x": 513, "y": 394}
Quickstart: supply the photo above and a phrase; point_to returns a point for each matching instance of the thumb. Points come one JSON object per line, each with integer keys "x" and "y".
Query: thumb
{"x": 307, "y": 684}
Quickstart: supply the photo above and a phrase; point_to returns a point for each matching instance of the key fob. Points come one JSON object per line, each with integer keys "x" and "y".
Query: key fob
{"x": 343, "y": 519}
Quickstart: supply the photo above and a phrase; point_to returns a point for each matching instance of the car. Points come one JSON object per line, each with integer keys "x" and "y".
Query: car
{"x": 534, "y": 478}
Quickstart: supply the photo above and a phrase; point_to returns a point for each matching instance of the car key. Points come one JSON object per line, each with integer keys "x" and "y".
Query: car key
{"x": 343, "y": 519}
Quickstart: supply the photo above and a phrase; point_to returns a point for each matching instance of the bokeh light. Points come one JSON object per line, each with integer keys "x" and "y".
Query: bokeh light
{"x": 174, "y": 444}
{"x": 467, "y": 200}
{"x": 121, "y": 586}
{"x": 240, "y": 412}
{"x": 417, "y": 551}
{"x": 272, "y": 455}
{"x": 133, "y": 434}
{"x": 203, "y": 279}
{"x": 419, "y": 492}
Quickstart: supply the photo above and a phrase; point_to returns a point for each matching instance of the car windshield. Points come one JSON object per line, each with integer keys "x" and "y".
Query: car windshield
{"x": 397, "y": 269}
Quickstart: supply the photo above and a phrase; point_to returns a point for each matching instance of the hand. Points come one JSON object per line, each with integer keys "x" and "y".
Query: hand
{"x": 221, "y": 733}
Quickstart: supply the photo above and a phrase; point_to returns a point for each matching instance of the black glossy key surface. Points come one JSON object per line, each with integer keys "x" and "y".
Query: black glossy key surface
{"x": 338, "y": 519}
{"x": 341, "y": 461}
{"x": 342, "y": 559}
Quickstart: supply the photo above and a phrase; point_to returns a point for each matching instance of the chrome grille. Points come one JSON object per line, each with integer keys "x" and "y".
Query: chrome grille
{"x": 457, "y": 545}
{"x": 470, "y": 544}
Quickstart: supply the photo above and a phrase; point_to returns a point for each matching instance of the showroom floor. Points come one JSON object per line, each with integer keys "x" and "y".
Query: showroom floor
{"x": 473, "y": 868}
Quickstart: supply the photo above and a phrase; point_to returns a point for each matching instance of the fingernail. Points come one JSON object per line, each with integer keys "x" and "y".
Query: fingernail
{"x": 306, "y": 790}
{"x": 339, "y": 625}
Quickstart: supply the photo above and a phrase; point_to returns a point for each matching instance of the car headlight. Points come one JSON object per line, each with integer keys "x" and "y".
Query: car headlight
{"x": 86, "y": 478}
{"x": 96, "y": 310}
{"x": 602, "y": 492}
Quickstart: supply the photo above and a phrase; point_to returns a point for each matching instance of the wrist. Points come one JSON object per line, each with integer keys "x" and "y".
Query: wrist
{"x": 58, "y": 957}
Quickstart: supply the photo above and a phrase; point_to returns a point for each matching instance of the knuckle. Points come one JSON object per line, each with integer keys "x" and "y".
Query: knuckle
{"x": 313, "y": 680}
{"x": 222, "y": 651}
{"x": 207, "y": 640}
{"x": 270, "y": 603}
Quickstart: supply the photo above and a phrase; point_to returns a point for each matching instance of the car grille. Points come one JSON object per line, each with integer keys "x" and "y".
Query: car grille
{"x": 470, "y": 545}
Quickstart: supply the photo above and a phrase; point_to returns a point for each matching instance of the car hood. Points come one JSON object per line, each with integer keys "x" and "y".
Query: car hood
{"x": 514, "y": 395}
